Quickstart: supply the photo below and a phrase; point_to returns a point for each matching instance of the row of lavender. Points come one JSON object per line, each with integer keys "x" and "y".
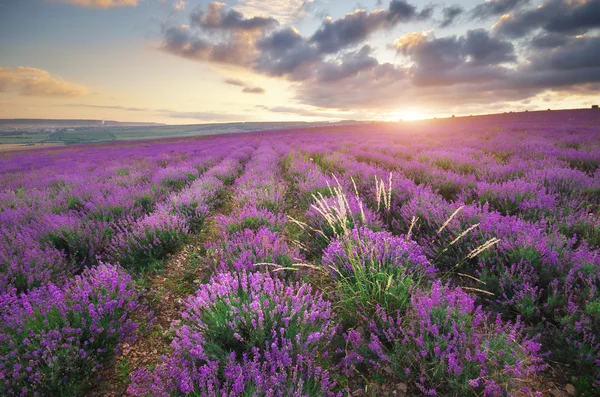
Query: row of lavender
{"x": 64, "y": 310}
{"x": 242, "y": 331}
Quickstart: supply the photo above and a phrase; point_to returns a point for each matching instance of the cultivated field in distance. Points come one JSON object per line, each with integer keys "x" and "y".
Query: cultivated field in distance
{"x": 29, "y": 134}
{"x": 442, "y": 257}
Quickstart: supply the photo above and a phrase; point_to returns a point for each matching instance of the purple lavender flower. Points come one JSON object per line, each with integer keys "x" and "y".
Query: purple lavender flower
{"x": 375, "y": 251}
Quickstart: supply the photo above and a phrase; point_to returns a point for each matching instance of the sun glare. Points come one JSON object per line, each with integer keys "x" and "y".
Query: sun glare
{"x": 407, "y": 115}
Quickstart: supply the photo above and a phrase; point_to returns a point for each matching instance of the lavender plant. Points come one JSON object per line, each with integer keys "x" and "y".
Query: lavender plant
{"x": 54, "y": 340}
{"x": 196, "y": 202}
{"x": 247, "y": 334}
{"x": 375, "y": 270}
{"x": 251, "y": 217}
{"x": 446, "y": 344}
{"x": 246, "y": 248}
{"x": 149, "y": 238}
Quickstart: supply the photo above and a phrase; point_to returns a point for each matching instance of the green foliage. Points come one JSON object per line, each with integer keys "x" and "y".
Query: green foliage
{"x": 74, "y": 203}
{"x": 146, "y": 202}
{"x": 79, "y": 245}
{"x": 447, "y": 164}
{"x": 150, "y": 247}
{"x": 252, "y": 223}
{"x": 123, "y": 369}
{"x": 366, "y": 289}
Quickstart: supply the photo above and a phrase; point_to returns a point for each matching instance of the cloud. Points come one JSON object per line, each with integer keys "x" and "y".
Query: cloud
{"x": 103, "y": 3}
{"x": 181, "y": 41}
{"x": 225, "y": 35}
{"x": 335, "y": 68}
{"x": 348, "y": 65}
{"x": 549, "y": 40}
{"x": 235, "y": 82}
{"x": 378, "y": 86}
{"x": 555, "y": 16}
{"x": 247, "y": 88}
{"x": 282, "y": 10}
{"x": 402, "y": 11}
{"x": 286, "y": 53}
{"x": 336, "y": 34}
{"x": 253, "y": 90}
{"x": 450, "y": 14}
{"x": 493, "y": 8}
{"x": 475, "y": 70}
{"x": 451, "y": 60}
{"x": 37, "y": 82}
{"x": 179, "y": 4}
{"x": 575, "y": 62}
{"x": 218, "y": 18}
{"x": 217, "y": 35}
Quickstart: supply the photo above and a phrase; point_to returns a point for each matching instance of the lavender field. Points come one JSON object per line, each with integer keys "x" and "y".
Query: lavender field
{"x": 448, "y": 257}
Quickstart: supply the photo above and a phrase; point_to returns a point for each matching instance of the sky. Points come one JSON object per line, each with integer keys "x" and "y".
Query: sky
{"x": 199, "y": 61}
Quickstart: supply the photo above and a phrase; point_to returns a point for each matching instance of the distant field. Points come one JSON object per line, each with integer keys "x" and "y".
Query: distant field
{"x": 43, "y": 134}
{"x": 9, "y": 147}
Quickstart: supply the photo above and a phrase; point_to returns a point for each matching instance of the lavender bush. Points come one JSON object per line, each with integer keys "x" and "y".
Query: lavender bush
{"x": 196, "y": 202}
{"x": 250, "y": 217}
{"x": 375, "y": 269}
{"x": 247, "y": 333}
{"x": 246, "y": 248}
{"x": 447, "y": 344}
{"x": 149, "y": 238}
{"x": 54, "y": 340}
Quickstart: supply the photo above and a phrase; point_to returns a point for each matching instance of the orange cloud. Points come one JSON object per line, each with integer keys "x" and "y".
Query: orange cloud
{"x": 37, "y": 82}
{"x": 102, "y": 3}
{"x": 409, "y": 40}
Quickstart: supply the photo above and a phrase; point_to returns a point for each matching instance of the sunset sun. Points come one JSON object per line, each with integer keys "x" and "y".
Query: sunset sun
{"x": 408, "y": 115}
